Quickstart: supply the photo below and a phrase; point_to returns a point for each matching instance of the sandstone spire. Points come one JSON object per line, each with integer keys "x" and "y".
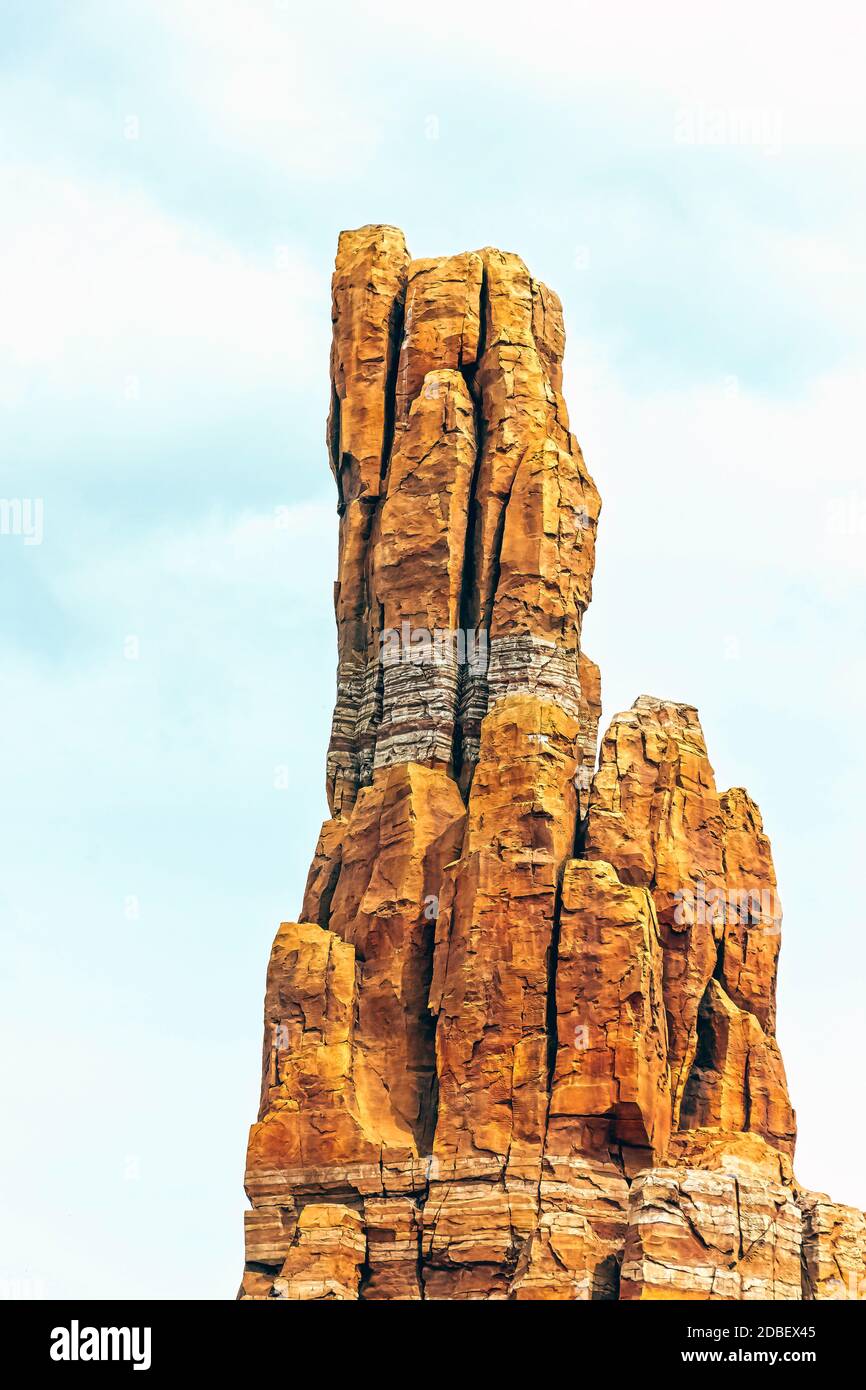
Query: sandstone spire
{"x": 521, "y": 1043}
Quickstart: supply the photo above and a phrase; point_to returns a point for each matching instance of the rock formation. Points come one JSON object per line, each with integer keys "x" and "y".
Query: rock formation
{"x": 521, "y": 1042}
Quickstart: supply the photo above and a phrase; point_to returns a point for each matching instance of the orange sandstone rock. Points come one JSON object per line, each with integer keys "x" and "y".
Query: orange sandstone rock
{"x": 494, "y": 941}
{"x": 697, "y": 1235}
{"x": 611, "y": 1084}
{"x": 737, "y": 1081}
{"x": 402, "y": 832}
{"x": 442, "y": 327}
{"x": 393, "y": 1261}
{"x": 417, "y": 576}
{"x": 654, "y": 814}
{"x": 559, "y": 1261}
{"x": 326, "y": 1256}
{"x": 753, "y": 926}
{"x": 589, "y": 716}
{"x": 369, "y": 289}
{"x": 310, "y": 1135}
{"x": 834, "y": 1249}
{"x": 745, "y": 1154}
{"x": 521, "y": 1044}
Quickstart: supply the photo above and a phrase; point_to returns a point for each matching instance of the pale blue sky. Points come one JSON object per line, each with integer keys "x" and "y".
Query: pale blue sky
{"x": 175, "y": 176}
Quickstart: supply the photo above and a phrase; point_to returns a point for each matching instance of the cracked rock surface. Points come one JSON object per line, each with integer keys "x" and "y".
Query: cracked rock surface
{"x": 521, "y": 1042}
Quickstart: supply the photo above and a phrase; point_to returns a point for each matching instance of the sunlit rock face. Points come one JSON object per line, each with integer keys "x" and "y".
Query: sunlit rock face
{"x": 521, "y": 1042}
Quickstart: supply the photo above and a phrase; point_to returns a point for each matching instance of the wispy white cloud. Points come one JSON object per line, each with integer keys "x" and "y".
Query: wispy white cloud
{"x": 107, "y": 294}
{"x": 269, "y": 77}
{"x": 726, "y": 70}
{"x": 197, "y": 649}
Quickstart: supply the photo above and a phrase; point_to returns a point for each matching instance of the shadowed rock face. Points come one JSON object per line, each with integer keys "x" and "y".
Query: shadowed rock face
{"x": 521, "y": 1043}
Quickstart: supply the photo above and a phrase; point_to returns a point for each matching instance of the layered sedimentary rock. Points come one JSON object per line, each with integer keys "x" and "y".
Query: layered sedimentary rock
{"x": 698, "y": 1235}
{"x": 834, "y": 1249}
{"x": 521, "y": 1042}
{"x": 369, "y": 291}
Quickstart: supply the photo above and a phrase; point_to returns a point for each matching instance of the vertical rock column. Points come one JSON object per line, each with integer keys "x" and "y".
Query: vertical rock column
{"x": 722, "y": 1223}
{"x": 521, "y": 1044}
{"x": 369, "y": 289}
{"x": 467, "y": 531}
{"x": 656, "y": 816}
{"x": 418, "y": 571}
{"x": 527, "y": 580}
{"x": 534, "y": 508}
